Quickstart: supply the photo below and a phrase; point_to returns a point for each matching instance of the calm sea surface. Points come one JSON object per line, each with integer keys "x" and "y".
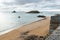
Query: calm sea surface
{"x": 10, "y": 20}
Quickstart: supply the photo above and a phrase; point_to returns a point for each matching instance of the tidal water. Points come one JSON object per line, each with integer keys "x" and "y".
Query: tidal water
{"x": 9, "y": 20}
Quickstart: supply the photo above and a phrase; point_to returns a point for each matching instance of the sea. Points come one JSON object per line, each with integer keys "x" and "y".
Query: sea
{"x": 10, "y": 21}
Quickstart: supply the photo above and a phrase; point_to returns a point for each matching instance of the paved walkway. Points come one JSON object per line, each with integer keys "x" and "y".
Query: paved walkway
{"x": 55, "y": 35}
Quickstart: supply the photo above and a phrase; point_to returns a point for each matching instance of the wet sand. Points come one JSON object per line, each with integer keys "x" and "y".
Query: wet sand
{"x": 40, "y": 27}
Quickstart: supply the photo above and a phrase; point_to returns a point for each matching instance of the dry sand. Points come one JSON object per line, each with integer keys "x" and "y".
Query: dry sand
{"x": 40, "y": 27}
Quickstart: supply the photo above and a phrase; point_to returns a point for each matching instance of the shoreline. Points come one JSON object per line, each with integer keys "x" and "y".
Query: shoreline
{"x": 2, "y": 33}
{"x": 24, "y": 28}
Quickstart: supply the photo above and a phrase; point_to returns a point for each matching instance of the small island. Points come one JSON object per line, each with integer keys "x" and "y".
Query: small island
{"x": 34, "y": 11}
{"x": 14, "y": 11}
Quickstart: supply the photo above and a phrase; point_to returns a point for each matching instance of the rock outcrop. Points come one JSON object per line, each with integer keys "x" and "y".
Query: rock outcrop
{"x": 41, "y": 16}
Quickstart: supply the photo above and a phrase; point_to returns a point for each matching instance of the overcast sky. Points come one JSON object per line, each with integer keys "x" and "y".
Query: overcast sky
{"x": 31, "y": 4}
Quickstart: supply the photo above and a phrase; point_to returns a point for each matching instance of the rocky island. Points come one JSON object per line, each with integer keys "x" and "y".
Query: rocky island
{"x": 14, "y": 11}
{"x": 34, "y": 11}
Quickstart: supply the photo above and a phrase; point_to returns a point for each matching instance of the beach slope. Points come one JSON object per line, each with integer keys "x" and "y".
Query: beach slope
{"x": 41, "y": 26}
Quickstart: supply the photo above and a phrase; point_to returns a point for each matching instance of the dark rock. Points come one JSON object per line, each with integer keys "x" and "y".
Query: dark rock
{"x": 41, "y": 16}
{"x": 14, "y": 11}
{"x": 33, "y": 12}
{"x": 25, "y": 33}
{"x": 18, "y": 16}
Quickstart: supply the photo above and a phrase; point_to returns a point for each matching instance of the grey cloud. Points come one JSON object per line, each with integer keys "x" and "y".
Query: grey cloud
{"x": 27, "y": 1}
{"x": 40, "y": 3}
{"x": 22, "y": 2}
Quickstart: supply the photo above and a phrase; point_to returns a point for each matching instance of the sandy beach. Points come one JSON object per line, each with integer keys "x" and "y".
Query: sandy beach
{"x": 40, "y": 27}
